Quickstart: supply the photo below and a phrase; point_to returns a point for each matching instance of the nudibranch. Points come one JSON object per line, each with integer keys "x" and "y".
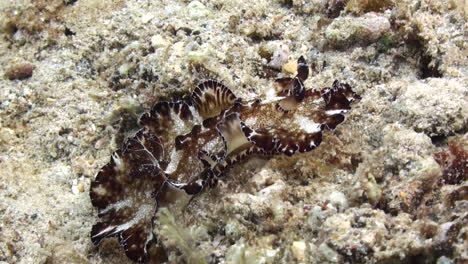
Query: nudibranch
{"x": 188, "y": 144}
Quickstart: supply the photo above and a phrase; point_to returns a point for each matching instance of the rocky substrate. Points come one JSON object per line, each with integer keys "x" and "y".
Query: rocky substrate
{"x": 388, "y": 186}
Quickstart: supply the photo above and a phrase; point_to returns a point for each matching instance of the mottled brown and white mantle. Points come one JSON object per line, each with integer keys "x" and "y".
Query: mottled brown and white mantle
{"x": 188, "y": 144}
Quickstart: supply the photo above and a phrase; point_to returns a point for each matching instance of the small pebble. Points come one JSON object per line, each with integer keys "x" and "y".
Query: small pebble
{"x": 403, "y": 195}
{"x": 20, "y": 71}
{"x": 347, "y": 31}
{"x": 74, "y": 187}
{"x": 444, "y": 260}
{"x": 328, "y": 253}
{"x": 6, "y": 134}
{"x": 290, "y": 67}
{"x": 80, "y": 187}
{"x": 298, "y": 248}
{"x": 158, "y": 41}
{"x": 279, "y": 58}
{"x": 338, "y": 200}
{"x": 147, "y": 18}
{"x": 197, "y": 10}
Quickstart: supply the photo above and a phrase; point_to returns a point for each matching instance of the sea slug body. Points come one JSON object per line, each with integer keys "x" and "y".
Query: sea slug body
{"x": 222, "y": 130}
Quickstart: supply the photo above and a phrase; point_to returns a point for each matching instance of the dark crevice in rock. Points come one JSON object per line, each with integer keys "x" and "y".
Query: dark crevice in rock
{"x": 428, "y": 68}
{"x": 439, "y": 140}
{"x": 333, "y": 8}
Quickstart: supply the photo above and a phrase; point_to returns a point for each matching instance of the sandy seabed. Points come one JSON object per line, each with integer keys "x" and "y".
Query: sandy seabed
{"x": 388, "y": 186}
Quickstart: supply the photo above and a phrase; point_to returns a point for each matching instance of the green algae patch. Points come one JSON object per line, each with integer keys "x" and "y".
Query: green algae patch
{"x": 386, "y": 42}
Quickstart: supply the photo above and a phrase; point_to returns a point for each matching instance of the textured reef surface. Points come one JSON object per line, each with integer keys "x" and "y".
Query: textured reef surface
{"x": 88, "y": 175}
{"x": 189, "y": 143}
